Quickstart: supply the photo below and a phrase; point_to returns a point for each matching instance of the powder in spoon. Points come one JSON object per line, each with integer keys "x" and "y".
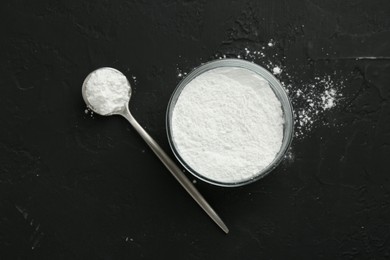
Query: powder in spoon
{"x": 107, "y": 90}
{"x": 227, "y": 124}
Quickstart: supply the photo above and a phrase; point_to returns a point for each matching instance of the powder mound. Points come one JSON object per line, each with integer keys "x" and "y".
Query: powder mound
{"x": 107, "y": 91}
{"x": 227, "y": 124}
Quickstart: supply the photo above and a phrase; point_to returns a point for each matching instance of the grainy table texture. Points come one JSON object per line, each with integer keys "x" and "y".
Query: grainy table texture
{"x": 80, "y": 186}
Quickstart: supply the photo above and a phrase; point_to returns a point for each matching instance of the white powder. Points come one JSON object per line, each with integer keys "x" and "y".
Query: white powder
{"x": 107, "y": 91}
{"x": 312, "y": 100}
{"x": 328, "y": 99}
{"x": 277, "y": 70}
{"x": 227, "y": 124}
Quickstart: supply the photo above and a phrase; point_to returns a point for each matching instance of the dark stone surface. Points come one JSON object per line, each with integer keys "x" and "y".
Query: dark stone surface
{"x": 76, "y": 187}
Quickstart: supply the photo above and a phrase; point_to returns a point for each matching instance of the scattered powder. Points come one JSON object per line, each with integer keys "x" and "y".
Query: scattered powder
{"x": 328, "y": 99}
{"x": 134, "y": 79}
{"x": 276, "y": 70}
{"x": 107, "y": 91}
{"x": 180, "y": 73}
{"x": 311, "y": 99}
{"x": 129, "y": 239}
{"x": 227, "y": 124}
{"x": 89, "y": 112}
{"x": 289, "y": 157}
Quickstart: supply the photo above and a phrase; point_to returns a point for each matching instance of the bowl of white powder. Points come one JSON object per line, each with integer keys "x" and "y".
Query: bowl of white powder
{"x": 229, "y": 122}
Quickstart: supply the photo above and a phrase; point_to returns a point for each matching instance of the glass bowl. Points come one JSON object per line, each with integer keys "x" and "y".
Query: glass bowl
{"x": 275, "y": 86}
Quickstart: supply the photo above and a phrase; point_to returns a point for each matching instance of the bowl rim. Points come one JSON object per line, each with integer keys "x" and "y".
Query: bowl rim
{"x": 280, "y": 93}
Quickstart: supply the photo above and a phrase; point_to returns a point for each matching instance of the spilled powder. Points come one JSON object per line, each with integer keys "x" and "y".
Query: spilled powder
{"x": 312, "y": 99}
{"x": 271, "y": 43}
{"x": 276, "y": 70}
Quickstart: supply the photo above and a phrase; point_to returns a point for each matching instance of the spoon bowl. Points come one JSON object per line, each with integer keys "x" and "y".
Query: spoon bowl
{"x": 123, "y": 106}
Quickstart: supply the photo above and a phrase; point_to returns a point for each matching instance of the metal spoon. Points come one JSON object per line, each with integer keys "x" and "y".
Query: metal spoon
{"x": 171, "y": 166}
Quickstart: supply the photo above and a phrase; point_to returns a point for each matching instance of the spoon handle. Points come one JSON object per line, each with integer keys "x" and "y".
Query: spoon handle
{"x": 176, "y": 172}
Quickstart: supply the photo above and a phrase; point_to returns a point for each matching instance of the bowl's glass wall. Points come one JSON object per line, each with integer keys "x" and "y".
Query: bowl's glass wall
{"x": 279, "y": 92}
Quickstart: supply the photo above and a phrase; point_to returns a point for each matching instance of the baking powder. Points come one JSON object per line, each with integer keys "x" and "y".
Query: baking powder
{"x": 107, "y": 90}
{"x": 227, "y": 124}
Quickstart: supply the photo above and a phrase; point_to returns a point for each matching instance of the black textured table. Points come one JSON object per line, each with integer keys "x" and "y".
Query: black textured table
{"x": 80, "y": 186}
